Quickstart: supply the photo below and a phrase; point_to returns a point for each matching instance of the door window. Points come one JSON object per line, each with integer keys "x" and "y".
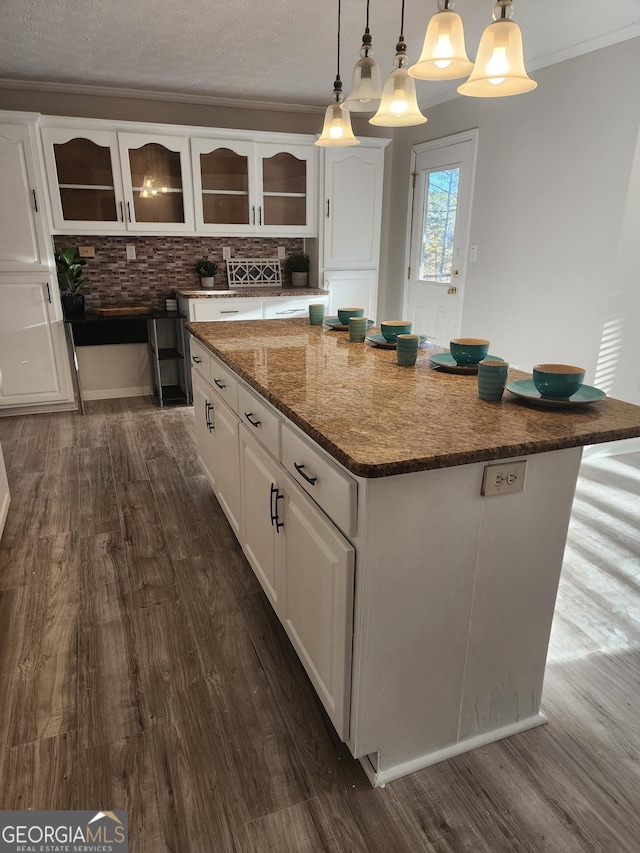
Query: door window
{"x": 439, "y": 225}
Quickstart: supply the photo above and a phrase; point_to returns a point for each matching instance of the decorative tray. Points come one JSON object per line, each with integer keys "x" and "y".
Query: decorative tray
{"x": 117, "y": 312}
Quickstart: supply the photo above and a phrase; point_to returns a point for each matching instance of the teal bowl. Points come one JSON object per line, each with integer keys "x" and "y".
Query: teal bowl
{"x": 557, "y": 381}
{"x": 392, "y": 328}
{"x": 468, "y": 350}
{"x": 345, "y": 313}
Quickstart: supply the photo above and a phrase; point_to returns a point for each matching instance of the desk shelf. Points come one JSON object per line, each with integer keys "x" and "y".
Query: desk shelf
{"x": 166, "y": 350}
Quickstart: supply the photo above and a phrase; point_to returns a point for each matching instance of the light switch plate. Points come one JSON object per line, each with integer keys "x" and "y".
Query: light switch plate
{"x": 504, "y": 478}
{"x": 131, "y": 252}
{"x": 86, "y": 251}
{"x": 281, "y": 253}
{"x": 226, "y": 253}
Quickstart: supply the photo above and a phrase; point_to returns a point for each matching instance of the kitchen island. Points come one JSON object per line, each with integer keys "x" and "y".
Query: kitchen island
{"x": 420, "y": 607}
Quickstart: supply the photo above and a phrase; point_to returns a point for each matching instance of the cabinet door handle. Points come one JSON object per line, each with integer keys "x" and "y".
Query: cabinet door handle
{"x": 208, "y": 408}
{"x": 249, "y": 416}
{"x": 253, "y": 214}
{"x": 35, "y": 201}
{"x": 219, "y": 383}
{"x": 260, "y": 215}
{"x": 310, "y": 480}
{"x": 274, "y": 497}
{"x": 48, "y": 292}
{"x": 121, "y": 211}
{"x": 196, "y": 358}
{"x": 129, "y": 211}
{"x": 328, "y": 203}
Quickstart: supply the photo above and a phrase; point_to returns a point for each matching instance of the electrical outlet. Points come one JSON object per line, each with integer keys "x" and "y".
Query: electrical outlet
{"x": 504, "y": 479}
{"x": 226, "y": 253}
{"x": 131, "y": 252}
{"x": 86, "y": 251}
{"x": 281, "y": 253}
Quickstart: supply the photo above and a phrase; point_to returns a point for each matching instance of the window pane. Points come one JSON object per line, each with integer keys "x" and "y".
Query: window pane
{"x": 439, "y": 225}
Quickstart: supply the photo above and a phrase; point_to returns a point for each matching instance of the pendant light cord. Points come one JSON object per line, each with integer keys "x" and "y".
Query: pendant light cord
{"x": 338, "y": 68}
{"x": 366, "y": 29}
{"x": 401, "y": 21}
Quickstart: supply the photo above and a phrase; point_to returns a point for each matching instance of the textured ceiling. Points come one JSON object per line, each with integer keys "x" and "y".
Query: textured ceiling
{"x": 281, "y": 51}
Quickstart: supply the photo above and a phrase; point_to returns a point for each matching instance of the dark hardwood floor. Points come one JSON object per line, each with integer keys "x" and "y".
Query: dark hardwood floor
{"x": 141, "y": 668}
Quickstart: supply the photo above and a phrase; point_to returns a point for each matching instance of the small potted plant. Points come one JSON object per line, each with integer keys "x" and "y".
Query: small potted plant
{"x": 297, "y": 266}
{"x": 206, "y": 269}
{"x": 69, "y": 266}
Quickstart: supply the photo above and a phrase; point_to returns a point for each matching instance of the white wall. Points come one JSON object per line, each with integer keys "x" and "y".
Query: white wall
{"x": 549, "y": 206}
{"x": 114, "y": 370}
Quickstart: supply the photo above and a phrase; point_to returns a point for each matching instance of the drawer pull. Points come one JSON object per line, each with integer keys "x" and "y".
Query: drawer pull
{"x": 208, "y": 408}
{"x": 310, "y": 480}
{"x": 273, "y": 506}
{"x": 219, "y": 383}
{"x": 237, "y": 311}
{"x": 292, "y": 311}
{"x": 248, "y": 416}
{"x": 197, "y": 359}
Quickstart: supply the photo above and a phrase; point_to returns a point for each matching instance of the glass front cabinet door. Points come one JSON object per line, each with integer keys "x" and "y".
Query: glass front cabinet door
{"x": 223, "y": 173}
{"x": 157, "y": 182}
{"x": 85, "y": 185}
{"x": 256, "y": 188}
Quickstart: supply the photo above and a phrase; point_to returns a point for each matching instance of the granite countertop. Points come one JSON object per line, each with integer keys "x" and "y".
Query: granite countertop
{"x": 201, "y": 293}
{"x": 379, "y": 419}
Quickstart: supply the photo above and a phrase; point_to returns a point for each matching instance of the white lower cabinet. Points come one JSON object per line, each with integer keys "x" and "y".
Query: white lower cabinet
{"x": 306, "y": 568}
{"x": 228, "y": 460}
{"x": 33, "y": 367}
{"x": 203, "y": 408}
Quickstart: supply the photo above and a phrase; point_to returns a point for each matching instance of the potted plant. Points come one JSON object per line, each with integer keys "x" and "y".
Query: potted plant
{"x": 69, "y": 266}
{"x": 297, "y": 266}
{"x": 206, "y": 269}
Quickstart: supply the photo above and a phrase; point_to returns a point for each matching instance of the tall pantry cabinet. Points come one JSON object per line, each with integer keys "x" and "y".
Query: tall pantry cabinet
{"x": 33, "y": 360}
{"x": 352, "y": 216}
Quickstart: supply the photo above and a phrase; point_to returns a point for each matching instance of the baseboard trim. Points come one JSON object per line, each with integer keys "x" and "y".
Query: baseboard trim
{"x": 39, "y": 409}
{"x": 111, "y": 393}
{"x": 379, "y": 778}
{"x": 4, "y": 510}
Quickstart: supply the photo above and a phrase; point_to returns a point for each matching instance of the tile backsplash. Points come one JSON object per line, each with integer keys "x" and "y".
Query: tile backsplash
{"x": 162, "y": 265}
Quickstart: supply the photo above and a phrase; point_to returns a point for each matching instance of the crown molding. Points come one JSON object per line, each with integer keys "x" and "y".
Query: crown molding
{"x": 154, "y": 95}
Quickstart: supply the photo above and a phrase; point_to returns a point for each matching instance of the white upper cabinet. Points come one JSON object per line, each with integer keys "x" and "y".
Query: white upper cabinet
{"x": 23, "y": 241}
{"x": 352, "y": 212}
{"x": 156, "y": 174}
{"x": 260, "y": 188}
{"x": 103, "y": 181}
{"x": 108, "y": 178}
{"x": 84, "y": 178}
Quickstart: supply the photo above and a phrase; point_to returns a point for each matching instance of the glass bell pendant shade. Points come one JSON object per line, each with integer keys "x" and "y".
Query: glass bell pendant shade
{"x": 336, "y": 130}
{"x": 399, "y": 105}
{"x": 499, "y": 68}
{"x": 444, "y": 56}
{"x": 366, "y": 85}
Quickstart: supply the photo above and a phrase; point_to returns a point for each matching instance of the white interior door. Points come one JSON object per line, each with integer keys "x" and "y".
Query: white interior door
{"x": 441, "y": 205}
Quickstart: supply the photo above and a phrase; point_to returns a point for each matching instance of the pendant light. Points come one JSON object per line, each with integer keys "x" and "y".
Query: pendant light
{"x": 399, "y": 105}
{"x": 499, "y": 68}
{"x": 444, "y": 56}
{"x": 366, "y": 87}
{"x": 337, "y": 130}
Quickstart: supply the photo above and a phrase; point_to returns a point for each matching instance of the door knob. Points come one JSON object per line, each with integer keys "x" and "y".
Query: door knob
{"x": 452, "y": 291}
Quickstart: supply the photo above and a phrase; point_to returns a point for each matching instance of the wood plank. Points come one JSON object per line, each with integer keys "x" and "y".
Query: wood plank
{"x": 121, "y": 774}
{"x": 126, "y": 456}
{"x": 259, "y": 752}
{"x": 43, "y": 774}
{"x": 109, "y": 703}
{"x": 41, "y": 697}
{"x": 303, "y": 828}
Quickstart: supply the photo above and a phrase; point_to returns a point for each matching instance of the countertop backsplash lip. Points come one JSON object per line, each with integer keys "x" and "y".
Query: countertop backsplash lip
{"x": 245, "y": 292}
{"x": 397, "y": 420}
{"x": 163, "y": 264}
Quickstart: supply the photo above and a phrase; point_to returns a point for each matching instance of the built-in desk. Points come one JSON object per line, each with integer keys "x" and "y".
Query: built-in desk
{"x": 163, "y": 331}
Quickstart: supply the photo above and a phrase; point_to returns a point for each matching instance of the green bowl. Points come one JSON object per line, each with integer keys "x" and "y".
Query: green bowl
{"x": 345, "y": 313}
{"x": 392, "y": 328}
{"x": 557, "y": 381}
{"x": 469, "y": 350}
